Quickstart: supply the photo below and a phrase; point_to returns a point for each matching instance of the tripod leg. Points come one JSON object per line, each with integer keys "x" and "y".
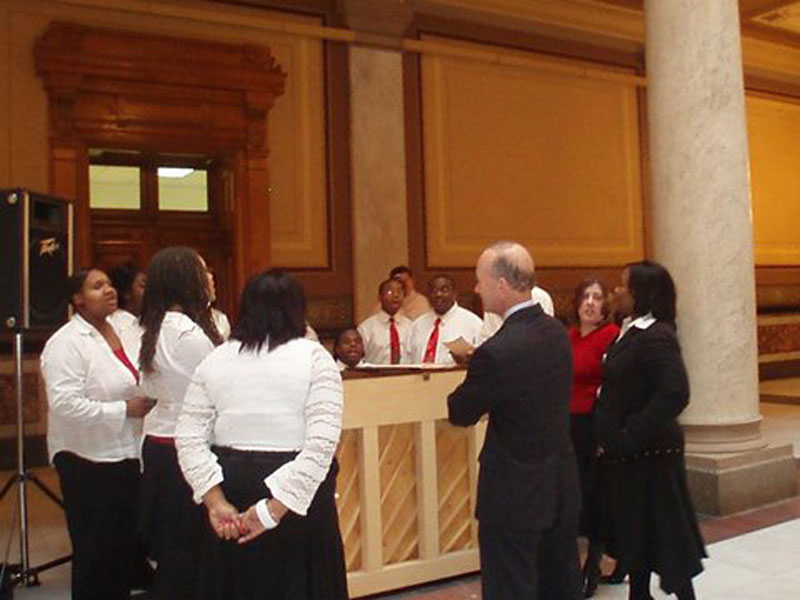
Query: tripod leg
{"x": 23, "y": 501}
{"x": 11, "y": 481}
{"x": 45, "y": 490}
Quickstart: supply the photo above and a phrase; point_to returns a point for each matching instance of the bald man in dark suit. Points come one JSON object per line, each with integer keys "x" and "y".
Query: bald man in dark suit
{"x": 528, "y": 490}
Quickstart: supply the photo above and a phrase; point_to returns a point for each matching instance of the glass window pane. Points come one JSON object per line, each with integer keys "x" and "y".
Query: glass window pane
{"x": 114, "y": 187}
{"x": 182, "y": 189}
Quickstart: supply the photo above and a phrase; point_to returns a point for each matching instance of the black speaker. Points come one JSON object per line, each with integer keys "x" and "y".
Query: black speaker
{"x": 35, "y": 260}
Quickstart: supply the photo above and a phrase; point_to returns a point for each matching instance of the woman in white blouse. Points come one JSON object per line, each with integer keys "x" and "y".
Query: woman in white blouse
{"x": 93, "y": 425}
{"x": 178, "y": 334}
{"x": 256, "y": 442}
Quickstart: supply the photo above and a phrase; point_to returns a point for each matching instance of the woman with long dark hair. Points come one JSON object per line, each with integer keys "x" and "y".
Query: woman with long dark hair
{"x": 93, "y": 425}
{"x": 590, "y": 337}
{"x": 641, "y": 444}
{"x": 256, "y": 441}
{"x": 178, "y": 334}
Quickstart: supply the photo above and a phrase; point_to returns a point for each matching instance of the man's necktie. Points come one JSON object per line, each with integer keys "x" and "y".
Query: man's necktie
{"x": 430, "y": 349}
{"x": 394, "y": 342}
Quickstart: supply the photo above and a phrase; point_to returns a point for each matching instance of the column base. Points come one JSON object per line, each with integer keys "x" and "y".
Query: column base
{"x": 721, "y": 484}
{"x": 728, "y": 438}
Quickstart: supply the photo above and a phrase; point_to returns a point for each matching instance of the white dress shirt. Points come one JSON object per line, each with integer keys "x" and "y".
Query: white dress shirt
{"x": 343, "y": 366}
{"x": 181, "y": 346}
{"x": 287, "y": 399}
{"x": 642, "y": 322}
{"x": 492, "y": 322}
{"x": 456, "y": 322}
{"x": 87, "y": 389}
{"x": 310, "y": 333}
{"x": 221, "y": 322}
{"x": 127, "y": 327}
{"x": 374, "y": 333}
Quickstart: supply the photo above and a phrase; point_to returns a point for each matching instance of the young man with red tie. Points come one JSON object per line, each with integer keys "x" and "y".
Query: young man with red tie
{"x": 385, "y": 334}
{"x": 445, "y": 323}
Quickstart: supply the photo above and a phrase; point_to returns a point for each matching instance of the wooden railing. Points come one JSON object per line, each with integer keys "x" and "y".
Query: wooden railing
{"x": 406, "y": 488}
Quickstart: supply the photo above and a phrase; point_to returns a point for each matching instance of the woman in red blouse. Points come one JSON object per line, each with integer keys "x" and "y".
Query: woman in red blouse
{"x": 590, "y": 337}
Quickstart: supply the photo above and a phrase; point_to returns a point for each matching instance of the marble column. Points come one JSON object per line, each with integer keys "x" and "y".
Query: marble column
{"x": 380, "y": 219}
{"x": 702, "y": 231}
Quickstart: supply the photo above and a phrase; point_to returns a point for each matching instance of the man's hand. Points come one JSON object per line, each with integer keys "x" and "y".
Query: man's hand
{"x": 139, "y": 406}
{"x": 462, "y": 357}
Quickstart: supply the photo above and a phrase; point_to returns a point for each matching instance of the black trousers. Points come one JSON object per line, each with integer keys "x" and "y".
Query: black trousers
{"x": 100, "y": 502}
{"x": 530, "y": 565}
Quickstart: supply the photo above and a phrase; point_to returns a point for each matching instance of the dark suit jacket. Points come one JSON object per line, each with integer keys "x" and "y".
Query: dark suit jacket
{"x": 644, "y": 389}
{"x": 522, "y": 377}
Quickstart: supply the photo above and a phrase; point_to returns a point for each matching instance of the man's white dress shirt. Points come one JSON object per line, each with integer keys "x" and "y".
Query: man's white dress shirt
{"x": 492, "y": 322}
{"x": 374, "y": 333}
{"x": 342, "y": 366}
{"x": 456, "y": 322}
{"x": 181, "y": 346}
{"x": 286, "y": 399}
{"x": 87, "y": 390}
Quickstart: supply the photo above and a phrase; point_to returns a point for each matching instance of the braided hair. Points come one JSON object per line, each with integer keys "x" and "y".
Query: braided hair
{"x": 176, "y": 277}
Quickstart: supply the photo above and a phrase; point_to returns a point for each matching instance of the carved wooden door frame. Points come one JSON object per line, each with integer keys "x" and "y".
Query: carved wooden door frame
{"x": 116, "y": 89}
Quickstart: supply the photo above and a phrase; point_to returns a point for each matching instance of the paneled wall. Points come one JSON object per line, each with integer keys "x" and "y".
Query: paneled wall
{"x": 773, "y": 129}
{"x": 548, "y": 157}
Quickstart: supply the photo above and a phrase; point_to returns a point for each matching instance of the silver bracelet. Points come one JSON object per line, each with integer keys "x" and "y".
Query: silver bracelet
{"x": 264, "y": 515}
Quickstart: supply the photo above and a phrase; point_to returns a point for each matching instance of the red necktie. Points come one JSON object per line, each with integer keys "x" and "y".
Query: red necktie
{"x": 394, "y": 342}
{"x": 430, "y": 349}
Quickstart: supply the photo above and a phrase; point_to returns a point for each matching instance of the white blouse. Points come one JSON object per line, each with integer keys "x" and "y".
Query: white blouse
{"x": 221, "y": 322}
{"x": 287, "y": 399}
{"x": 180, "y": 347}
{"x": 87, "y": 389}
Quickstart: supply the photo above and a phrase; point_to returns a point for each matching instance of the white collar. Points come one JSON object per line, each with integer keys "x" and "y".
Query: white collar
{"x": 642, "y": 322}
{"x": 84, "y": 326}
{"x": 386, "y": 317}
{"x": 519, "y": 306}
{"x": 450, "y": 312}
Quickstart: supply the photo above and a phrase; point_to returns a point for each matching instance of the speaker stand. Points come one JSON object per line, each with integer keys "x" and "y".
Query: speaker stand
{"x": 25, "y": 574}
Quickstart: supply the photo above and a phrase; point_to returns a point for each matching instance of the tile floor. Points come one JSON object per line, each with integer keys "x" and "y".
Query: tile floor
{"x": 753, "y": 555}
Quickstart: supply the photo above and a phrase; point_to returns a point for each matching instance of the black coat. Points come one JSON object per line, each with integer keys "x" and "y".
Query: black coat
{"x": 522, "y": 377}
{"x": 647, "y": 509}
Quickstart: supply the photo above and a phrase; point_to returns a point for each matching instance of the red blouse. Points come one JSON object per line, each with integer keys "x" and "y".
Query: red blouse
{"x": 587, "y": 355}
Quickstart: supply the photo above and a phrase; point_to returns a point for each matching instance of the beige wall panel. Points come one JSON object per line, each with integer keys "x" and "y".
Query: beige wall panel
{"x": 296, "y": 126}
{"x": 773, "y": 129}
{"x": 546, "y": 158}
{"x": 298, "y": 197}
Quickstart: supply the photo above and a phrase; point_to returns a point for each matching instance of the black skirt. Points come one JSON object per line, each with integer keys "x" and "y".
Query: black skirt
{"x": 171, "y": 523}
{"x": 301, "y": 559}
{"x": 648, "y": 517}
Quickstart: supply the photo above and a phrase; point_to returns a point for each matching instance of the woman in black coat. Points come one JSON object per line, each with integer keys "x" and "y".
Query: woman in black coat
{"x": 644, "y": 389}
